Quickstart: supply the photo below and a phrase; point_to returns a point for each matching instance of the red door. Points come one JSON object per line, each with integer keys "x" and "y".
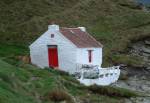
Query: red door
{"x": 53, "y": 57}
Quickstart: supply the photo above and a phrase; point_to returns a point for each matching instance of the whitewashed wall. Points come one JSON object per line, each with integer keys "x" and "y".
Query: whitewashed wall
{"x": 82, "y": 56}
{"x": 68, "y": 54}
{"x": 66, "y": 51}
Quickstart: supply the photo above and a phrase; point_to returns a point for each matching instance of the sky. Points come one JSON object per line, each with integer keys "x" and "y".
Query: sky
{"x": 145, "y": 2}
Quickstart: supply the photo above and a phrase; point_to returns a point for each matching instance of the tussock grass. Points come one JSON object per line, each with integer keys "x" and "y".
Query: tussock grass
{"x": 58, "y": 95}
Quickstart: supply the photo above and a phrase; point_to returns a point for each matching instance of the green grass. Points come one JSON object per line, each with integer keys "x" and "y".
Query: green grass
{"x": 10, "y": 88}
{"x": 12, "y": 49}
{"x": 110, "y": 22}
{"x": 112, "y": 91}
{"x": 29, "y": 84}
{"x": 127, "y": 59}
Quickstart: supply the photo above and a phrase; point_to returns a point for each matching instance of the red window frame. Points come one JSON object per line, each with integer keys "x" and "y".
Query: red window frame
{"x": 90, "y": 55}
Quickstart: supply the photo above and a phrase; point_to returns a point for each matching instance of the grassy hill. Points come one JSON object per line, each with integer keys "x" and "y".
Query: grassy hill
{"x": 28, "y": 84}
{"x": 115, "y": 23}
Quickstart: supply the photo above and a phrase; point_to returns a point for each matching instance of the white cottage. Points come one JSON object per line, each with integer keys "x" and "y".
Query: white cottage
{"x": 75, "y": 51}
{"x": 66, "y": 49}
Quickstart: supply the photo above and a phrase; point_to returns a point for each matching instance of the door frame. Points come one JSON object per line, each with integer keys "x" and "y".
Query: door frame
{"x": 52, "y": 46}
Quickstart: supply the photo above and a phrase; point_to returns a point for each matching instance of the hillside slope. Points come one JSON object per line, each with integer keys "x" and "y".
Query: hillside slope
{"x": 28, "y": 84}
{"x": 115, "y": 23}
{"x": 24, "y": 83}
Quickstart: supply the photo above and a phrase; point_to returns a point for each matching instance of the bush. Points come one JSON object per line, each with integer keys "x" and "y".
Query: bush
{"x": 112, "y": 91}
{"x": 58, "y": 95}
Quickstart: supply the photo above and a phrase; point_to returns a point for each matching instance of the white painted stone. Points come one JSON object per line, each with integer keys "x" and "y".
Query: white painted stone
{"x": 39, "y": 51}
{"x": 53, "y": 27}
{"x": 69, "y": 55}
{"x": 82, "y": 28}
{"x": 82, "y": 56}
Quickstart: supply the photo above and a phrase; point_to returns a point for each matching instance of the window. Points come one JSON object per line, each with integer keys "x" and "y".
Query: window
{"x": 52, "y": 35}
{"x": 90, "y": 55}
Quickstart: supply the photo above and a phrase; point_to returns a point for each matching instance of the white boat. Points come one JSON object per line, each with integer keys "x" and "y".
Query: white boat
{"x": 98, "y": 76}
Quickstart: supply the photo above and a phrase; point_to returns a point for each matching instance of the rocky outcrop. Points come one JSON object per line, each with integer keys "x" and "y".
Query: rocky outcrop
{"x": 142, "y": 49}
{"x": 137, "y": 79}
{"x": 147, "y": 42}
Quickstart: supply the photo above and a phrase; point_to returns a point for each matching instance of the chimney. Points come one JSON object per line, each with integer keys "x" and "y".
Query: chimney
{"x": 53, "y": 27}
{"x": 82, "y": 29}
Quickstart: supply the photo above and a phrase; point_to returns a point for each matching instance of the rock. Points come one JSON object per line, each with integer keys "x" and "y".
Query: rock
{"x": 145, "y": 88}
{"x": 140, "y": 100}
{"x": 148, "y": 68}
{"x": 128, "y": 101}
{"x": 123, "y": 65}
{"x": 143, "y": 78}
{"x": 146, "y": 50}
{"x": 138, "y": 78}
{"x": 147, "y": 42}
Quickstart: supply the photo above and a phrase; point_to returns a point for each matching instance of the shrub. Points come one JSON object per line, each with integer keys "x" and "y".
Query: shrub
{"x": 58, "y": 95}
{"x": 112, "y": 91}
